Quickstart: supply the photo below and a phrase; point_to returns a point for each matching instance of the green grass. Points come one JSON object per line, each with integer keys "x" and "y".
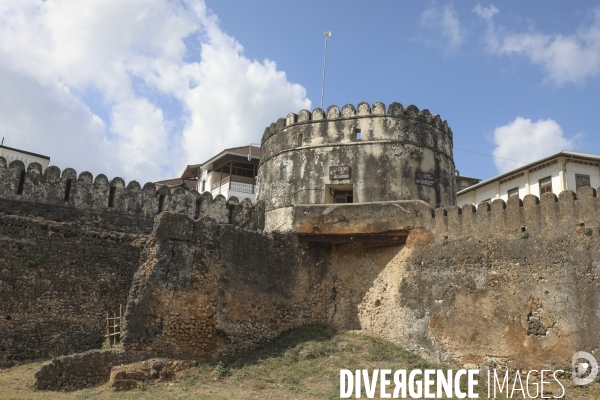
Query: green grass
{"x": 303, "y": 363}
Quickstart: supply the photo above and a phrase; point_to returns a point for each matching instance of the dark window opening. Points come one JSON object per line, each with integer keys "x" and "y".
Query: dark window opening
{"x": 197, "y": 212}
{"x": 68, "y": 190}
{"x": 581, "y": 181}
{"x": 546, "y": 185}
{"x": 513, "y": 192}
{"x": 300, "y": 140}
{"x": 343, "y": 196}
{"x": 203, "y": 186}
{"x": 161, "y": 203}
{"x": 111, "y": 196}
{"x": 21, "y": 183}
{"x": 358, "y": 134}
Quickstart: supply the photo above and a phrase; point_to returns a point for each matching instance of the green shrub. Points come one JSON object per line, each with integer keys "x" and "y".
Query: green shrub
{"x": 524, "y": 235}
{"x": 588, "y": 231}
{"x": 221, "y": 370}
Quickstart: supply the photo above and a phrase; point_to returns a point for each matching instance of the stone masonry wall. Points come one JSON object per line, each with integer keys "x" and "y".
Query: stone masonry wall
{"x": 69, "y": 247}
{"x": 205, "y": 288}
{"x": 507, "y": 285}
{"x": 69, "y": 191}
{"x": 57, "y": 281}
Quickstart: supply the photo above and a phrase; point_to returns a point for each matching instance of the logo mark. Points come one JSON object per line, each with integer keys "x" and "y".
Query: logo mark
{"x": 581, "y": 368}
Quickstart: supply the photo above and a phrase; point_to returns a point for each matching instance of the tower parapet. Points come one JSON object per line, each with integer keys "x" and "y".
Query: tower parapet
{"x": 357, "y": 154}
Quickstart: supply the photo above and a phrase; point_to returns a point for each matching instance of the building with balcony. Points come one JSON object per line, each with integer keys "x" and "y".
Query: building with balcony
{"x": 232, "y": 172}
{"x": 565, "y": 170}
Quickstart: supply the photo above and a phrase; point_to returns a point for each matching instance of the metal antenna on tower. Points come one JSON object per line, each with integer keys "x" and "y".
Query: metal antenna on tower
{"x": 327, "y": 34}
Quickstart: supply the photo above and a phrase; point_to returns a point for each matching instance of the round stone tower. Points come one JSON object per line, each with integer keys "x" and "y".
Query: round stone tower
{"x": 358, "y": 155}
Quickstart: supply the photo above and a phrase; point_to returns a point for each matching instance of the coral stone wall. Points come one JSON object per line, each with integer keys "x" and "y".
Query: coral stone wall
{"x": 57, "y": 281}
{"x": 511, "y": 285}
{"x": 297, "y": 152}
{"x": 69, "y": 247}
{"x": 204, "y": 288}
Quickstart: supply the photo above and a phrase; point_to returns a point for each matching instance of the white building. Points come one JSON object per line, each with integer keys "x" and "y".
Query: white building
{"x": 11, "y": 154}
{"x": 230, "y": 173}
{"x": 565, "y": 170}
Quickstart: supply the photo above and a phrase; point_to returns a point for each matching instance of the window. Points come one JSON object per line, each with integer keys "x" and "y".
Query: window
{"x": 487, "y": 200}
{"x": 343, "y": 196}
{"x": 546, "y": 185}
{"x": 300, "y": 140}
{"x": 513, "y": 192}
{"x": 203, "y": 186}
{"x": 161, "y": 203}
{"x": 111, "y": 196}
{"x": 581, "y": 181}
{"x": 339, "y": 193}
{"x": 358, "y": 134}
{"x": 68, "y": 190}
{"x": 21, "y": 183}
{"x": 197, "y": 212}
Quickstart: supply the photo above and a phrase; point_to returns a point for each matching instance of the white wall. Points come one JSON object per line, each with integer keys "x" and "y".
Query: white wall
{"x": 489, "y": 191}
{"x": 592, "y": 171}
{"x": 27, "y": 159}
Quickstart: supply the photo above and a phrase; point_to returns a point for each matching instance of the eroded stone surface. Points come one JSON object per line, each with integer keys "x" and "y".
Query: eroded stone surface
{"x": 84, "y": 370}
{"x": 126, "y": 377}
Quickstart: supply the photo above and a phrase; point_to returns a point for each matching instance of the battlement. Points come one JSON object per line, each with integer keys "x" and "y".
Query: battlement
{"x": 334, "y": 127}
{"x": 68, "y": 190}
{"x": 518, "y": 218}
{"x": 362, "y": 110}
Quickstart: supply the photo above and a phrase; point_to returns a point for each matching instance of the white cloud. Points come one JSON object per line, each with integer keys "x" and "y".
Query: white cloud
{"x": 133, "y": 56}
{"x": 565, "y": 58}
{"x": 487, "y": 13}
{"x": 446, "y": 23}
{"x": 523, "y": 140}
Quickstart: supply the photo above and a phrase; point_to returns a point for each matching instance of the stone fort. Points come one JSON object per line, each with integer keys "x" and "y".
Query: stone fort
{"x": 355, "y": 225}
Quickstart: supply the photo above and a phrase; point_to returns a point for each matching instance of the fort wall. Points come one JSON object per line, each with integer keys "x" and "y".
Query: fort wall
{"x": 57, "y": 281}
{"x": 83, "y": 192}
{"x": 70, "y": 245}
{"x": 504, "y": 285}
{"x": 510, "y": 284}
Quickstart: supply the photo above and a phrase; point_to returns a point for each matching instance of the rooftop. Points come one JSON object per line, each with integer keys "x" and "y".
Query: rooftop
{"x": 25, "y": 152}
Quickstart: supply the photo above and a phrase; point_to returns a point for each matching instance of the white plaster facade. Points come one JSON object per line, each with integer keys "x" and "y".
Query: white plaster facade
{"x": 11, "y": 155}
{"x": 562, "y": 168}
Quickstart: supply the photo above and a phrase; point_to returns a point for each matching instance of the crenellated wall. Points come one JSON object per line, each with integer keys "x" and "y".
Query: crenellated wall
{"x": 512, "y": 285}
{"x": 548, "y": 216}
{"x": 66, "y": 189}
{"x": 70, "y": 245}
{"x": 384, "y": 150}
{"x": 508, "y": 285}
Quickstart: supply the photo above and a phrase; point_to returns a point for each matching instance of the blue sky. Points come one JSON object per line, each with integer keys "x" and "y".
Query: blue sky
{"x": 142, "y": 88}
